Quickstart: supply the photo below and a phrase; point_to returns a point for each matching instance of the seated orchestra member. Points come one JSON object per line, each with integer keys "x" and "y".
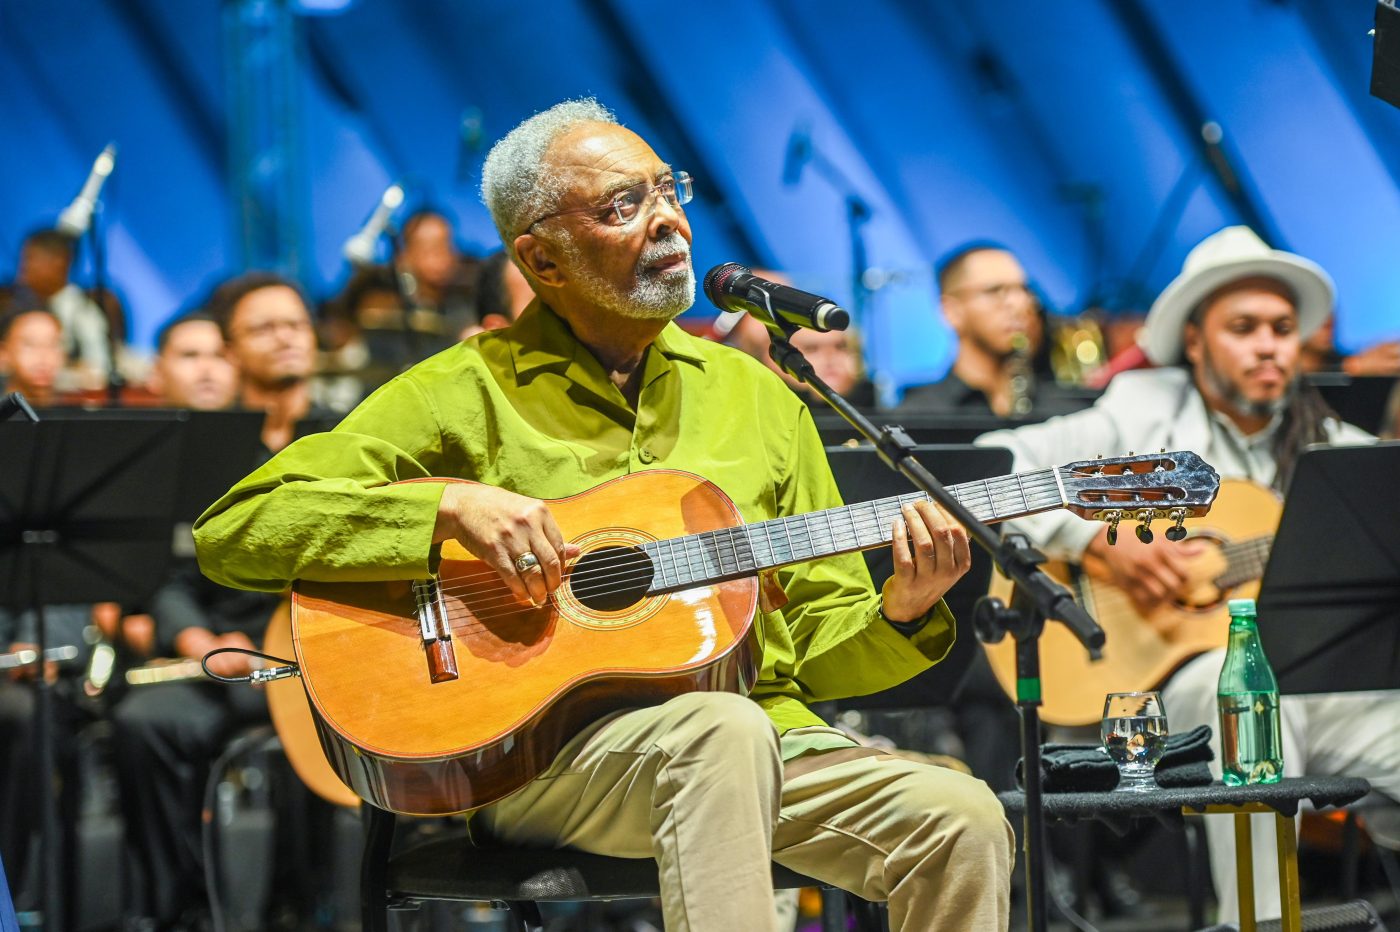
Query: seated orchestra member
{"x": 20, "y": 788}
{"x": 593, "y": 382}
{"x": 270, "y": 339}
{"x": 1226, "y": 333}
{"x": 42, "y": 280}
{"x": 1002, "y": 366}
{"x": 835, "y": 355}
{"x": 502, "y": 293}
{"x": 443, "y": 280}
{"x": 192, "y": 368}
{"x": 168, "y": 734}
{"x": 31, "y": 354}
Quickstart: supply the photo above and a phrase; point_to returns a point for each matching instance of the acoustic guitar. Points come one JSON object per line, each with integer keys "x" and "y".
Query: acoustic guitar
{"x": 1140, "y": 651}
{"x": 442, "y": 695}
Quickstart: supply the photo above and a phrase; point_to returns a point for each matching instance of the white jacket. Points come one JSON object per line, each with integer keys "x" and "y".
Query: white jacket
{"x": 1142, "y": 411}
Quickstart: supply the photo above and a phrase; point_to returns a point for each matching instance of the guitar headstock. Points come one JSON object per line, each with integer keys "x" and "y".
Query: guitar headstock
{"x": 1175, "y": 486}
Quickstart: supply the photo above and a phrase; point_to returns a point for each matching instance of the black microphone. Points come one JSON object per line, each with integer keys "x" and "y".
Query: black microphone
{"x": 731, "y": 287}
{"x": 77, "y": 216}
{"x": 360, "y": 248}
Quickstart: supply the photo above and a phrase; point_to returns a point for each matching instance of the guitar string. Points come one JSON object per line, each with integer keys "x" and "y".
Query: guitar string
{"x": 455, "y": 617}
{"x": 883, "y": 514}
{"x": 630, "y": 559}
{"x": 868, "y": 525}
{"x": 745, "y": 531}
{"x": 635, "y": 558}
{"x": 492, "y": 581}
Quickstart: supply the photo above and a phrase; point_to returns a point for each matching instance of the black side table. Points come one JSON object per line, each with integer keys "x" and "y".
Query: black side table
{"x": 1280, "y": 798}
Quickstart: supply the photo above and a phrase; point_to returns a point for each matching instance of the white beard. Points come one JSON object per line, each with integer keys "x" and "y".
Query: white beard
{"x": 653, "y": 295}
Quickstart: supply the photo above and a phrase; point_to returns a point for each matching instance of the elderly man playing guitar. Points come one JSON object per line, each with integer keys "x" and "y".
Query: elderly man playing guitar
{"x": 595, "y": 383}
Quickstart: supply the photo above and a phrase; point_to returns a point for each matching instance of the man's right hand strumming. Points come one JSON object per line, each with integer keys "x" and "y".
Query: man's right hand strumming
{"x": 500, "y": 527}
{"x": 1151, "y": 574}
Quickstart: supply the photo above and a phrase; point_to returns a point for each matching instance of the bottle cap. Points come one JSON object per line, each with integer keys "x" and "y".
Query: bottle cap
{"x": 1241, "y": 607}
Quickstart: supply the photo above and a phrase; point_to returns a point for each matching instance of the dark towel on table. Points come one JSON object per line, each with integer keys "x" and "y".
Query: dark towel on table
{"x": 1085, "y": 768}
{"x": 1186, "y": 761}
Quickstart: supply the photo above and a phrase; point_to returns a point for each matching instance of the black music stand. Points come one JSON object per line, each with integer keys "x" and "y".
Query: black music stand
{"x": 1358, "y": 399}
{"x": 220, "y": 448}
{"x": 862, "y": 477}
{"x": 85, "y": 516}
{"x": 1329, "y": 603}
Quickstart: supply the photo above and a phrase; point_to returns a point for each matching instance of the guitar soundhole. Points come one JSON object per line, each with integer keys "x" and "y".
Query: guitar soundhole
{"x": 610, "y": 579}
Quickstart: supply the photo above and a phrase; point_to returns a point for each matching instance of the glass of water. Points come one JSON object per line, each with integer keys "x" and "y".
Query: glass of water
{"x": 1135, "y": 735}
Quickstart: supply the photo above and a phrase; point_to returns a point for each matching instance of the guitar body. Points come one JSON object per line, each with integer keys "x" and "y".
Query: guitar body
{"x": 294, "y": 723}
{"x": 527, "y": 679}
{"x": 1139, "y": 652}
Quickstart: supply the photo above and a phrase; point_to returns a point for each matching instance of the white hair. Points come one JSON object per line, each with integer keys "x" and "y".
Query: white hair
{"x": 513, "y": 186}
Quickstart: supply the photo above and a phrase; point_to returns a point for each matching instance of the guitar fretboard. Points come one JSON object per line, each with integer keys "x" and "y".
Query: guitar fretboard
{"x": 1245, "y": 561}
{"x": 731, "y": 553}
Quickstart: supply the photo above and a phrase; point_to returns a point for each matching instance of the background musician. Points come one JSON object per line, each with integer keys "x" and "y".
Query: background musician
{"x": 167, "y": 734}
{"x": 1002, "y": 365}
{"x": 20, "y": 788}
{"x": 1227, "y": 333}
{"x": 31, "y": 354}
{"x": 192, "y": 367}
{"x": 594, "y": 381}
{"x": 42, "y": 280}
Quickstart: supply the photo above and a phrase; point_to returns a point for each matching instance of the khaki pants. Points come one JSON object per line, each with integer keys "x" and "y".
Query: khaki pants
{"x": 699, "y": 784}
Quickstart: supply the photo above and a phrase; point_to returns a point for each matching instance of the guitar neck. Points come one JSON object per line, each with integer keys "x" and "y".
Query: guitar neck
{"x": 732, "y": 553}
{"x": 1245, "y": 561}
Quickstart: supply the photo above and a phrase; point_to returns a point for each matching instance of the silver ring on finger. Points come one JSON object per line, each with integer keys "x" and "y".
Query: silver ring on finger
{"x": 526, "y": 562}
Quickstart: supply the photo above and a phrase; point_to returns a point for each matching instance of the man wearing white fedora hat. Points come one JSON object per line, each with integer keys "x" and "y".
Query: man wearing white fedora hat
{"x": 1226, "y": 336}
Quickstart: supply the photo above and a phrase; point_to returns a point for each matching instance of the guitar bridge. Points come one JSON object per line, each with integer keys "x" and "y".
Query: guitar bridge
{"x": 433, "y": 628}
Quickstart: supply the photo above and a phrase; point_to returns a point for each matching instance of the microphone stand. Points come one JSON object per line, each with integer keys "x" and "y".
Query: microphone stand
{"x": 1038, "y": 597}
{"x": 413, "y": 345}
{"x": 50, "y": 894}
{"x": 115, "y": 382}
{"x": 858, "y": 213}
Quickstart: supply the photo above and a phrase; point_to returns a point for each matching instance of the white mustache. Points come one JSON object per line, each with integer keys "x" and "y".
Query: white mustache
{"x": 673, "y": 245}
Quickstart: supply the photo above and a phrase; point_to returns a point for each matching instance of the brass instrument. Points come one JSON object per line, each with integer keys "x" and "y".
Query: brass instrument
{"x": 1077, "y": 348}
{"x": 1022, "y": 378}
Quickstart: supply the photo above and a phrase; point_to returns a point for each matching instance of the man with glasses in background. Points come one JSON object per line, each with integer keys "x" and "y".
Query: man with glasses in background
{"x": 1002, "y": 367}
{"x": 595, "y": 381}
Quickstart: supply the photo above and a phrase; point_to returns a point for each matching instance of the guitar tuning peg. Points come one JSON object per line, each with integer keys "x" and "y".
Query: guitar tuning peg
{"x": 1144, "y": 530}
{"x": 1113, "y": 517}
{"x": 1176, "y": 532}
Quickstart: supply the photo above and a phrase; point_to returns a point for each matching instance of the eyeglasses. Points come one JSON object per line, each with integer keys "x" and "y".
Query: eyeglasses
{"x": 996, "y": 293}
{"x": 627, "y": 204}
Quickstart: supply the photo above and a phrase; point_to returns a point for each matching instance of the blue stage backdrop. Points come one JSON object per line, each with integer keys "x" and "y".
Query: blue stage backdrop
{"x": 1072, "y": 132}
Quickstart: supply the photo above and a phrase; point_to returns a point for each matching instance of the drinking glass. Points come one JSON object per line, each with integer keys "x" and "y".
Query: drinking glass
{"x": 1135, "y": 735}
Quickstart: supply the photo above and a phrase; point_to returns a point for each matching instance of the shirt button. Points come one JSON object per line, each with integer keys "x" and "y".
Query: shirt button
{"x": 646, "y": 456}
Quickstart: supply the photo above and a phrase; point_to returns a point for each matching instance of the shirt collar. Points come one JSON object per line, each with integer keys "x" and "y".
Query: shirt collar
{"x": 540, "y": 339}
{"x": 1245, "y": 441}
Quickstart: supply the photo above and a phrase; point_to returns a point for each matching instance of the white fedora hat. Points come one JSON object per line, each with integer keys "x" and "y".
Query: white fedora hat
{"x": 1216, "y": 261}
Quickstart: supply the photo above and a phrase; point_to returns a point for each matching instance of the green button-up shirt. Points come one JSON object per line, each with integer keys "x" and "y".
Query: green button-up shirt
{"x": 531, "y": 410}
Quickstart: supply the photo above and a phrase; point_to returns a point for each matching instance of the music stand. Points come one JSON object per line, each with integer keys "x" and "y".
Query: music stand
{"x": 220, "y": 448}
{"x": 85, "y": 516}
{"x": 1361, "y": 400}
{"x": 862, "y": 477}
{"x": 1329, "y": 603}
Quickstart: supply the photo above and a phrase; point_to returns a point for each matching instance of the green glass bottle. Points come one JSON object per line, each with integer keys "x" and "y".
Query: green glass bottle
{"x": 1251, "y": 736}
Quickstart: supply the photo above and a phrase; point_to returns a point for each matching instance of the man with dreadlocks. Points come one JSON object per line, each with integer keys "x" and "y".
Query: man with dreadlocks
{"x": 1226, "y": 336}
